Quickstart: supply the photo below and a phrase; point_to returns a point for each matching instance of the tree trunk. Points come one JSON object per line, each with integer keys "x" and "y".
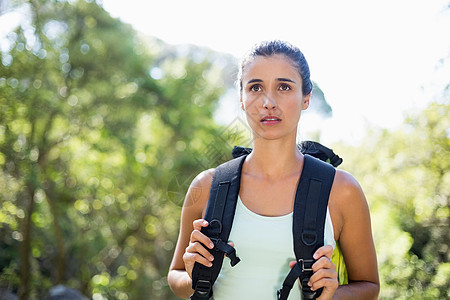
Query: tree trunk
{"x": 25, "y": 249}
{"x": 59, "y": 236}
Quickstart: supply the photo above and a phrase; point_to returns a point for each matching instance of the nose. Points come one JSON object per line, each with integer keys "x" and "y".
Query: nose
{"x": 269, "y": 102}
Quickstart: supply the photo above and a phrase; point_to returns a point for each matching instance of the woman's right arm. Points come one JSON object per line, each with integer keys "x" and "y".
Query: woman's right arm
{"x": 189, "y": 248}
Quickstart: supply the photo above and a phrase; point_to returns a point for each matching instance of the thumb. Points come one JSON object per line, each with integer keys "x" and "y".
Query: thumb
{"x": 292, "y": 264}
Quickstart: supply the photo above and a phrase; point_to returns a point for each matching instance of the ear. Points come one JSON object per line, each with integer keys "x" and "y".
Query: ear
{"x": 305, "y": 103}
{"x": 242, "y": 104}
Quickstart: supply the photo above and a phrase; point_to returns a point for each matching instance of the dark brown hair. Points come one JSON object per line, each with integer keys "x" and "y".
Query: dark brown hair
{"x": 269, "y": 48}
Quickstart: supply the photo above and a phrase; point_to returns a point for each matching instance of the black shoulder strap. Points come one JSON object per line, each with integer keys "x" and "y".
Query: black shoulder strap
{"x": 219, "y": 214}
{"x": 310, "y": 208}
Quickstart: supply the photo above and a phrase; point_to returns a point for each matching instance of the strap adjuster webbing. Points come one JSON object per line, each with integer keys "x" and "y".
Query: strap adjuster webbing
{"x": 289, "y": 281}
{"x": 229, "y": 251}
{"x": 303, "y": 271}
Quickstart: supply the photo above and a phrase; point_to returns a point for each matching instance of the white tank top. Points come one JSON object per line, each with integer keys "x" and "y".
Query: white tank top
{"x": 265, "y": 247}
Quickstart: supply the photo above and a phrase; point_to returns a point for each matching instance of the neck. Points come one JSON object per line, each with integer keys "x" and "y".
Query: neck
{"x": 274, "y": 158}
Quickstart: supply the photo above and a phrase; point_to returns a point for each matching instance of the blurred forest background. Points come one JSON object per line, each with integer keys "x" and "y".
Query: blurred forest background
{"x": 102, "y": 130}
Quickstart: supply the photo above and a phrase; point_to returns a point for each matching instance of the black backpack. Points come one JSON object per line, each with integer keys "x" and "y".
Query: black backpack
{"x": 310, "y": 207}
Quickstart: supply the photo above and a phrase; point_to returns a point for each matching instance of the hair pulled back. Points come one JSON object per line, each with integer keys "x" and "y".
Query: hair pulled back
{"x": 269, "y": 48}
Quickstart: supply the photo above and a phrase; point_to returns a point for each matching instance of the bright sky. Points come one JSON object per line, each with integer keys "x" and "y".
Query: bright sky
{"x": 374, "y": 60}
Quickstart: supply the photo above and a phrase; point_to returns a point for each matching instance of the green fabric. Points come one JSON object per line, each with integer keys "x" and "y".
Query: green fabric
{"x": 338, "y": 260}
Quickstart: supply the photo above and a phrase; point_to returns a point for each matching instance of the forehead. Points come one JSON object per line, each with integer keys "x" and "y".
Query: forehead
{"x": 277, "y": 65}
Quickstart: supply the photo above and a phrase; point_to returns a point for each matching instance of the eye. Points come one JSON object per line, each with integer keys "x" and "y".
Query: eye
{"x": 255, "y": 88}
{"x": 284, "y": 87}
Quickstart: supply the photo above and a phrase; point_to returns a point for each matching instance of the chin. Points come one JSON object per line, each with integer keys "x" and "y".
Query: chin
{"x": 268, "y": 136}
{"x": 271, "y": 134}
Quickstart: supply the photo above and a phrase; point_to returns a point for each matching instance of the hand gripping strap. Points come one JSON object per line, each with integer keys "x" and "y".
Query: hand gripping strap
{"x": 310, "y": 208}
{"x": 220, "y": 214}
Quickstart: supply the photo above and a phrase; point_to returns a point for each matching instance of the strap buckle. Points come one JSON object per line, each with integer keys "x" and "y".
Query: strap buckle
{"x": 203, "y": 288}
{"x": 306, "y": 267}
{"x": 306, "y": 264}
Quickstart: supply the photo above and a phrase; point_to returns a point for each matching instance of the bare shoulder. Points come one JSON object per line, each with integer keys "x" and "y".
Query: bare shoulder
{"x": 346, "y": 188}
{"x": 198, "y": 192}
{"x": 347, "y": 200}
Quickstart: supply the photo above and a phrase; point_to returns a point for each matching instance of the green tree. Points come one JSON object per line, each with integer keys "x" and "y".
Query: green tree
{"x": 97, "y": 125}
{"x": 406, "y": 175}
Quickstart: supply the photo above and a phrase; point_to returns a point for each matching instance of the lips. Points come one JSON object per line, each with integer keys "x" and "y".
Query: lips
{"x": 270, "y": 120}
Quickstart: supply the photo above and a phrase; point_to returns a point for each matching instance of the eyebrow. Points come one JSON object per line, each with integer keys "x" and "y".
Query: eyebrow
{"x": 278, "y": 79}
{"x": 254, "y": 80}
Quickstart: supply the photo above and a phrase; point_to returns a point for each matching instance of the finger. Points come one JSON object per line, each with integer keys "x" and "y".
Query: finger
{"x": 198, "y": 224}
{"x": 324, "y": 273}
{"x": 200, "y": 249}
{"x": 323, "y": 263}
{"x": 197, "y": 236}
{"x": 326, "y": 250}
{"x": 190, "y": 258}
{"x": 321, "y": 274}
{"x": 196, "y": 252}
{"x": 329, "y": 284}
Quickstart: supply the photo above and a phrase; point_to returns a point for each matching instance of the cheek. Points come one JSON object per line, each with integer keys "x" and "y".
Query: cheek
{"x": 293, "y": 104}
{"x": 248, "y": 102}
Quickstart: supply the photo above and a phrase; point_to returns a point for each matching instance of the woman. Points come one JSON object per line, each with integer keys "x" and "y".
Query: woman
{"x": 274, "y": 89}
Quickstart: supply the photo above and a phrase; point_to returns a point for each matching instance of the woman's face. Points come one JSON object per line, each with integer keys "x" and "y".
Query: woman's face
{"x": 272, "y": 97}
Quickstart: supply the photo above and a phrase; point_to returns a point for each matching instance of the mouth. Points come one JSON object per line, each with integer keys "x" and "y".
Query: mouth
{"x": 270, "y": 120}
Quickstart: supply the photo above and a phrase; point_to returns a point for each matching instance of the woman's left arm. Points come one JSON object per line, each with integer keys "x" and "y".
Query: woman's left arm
{"x": 349, "y": 208}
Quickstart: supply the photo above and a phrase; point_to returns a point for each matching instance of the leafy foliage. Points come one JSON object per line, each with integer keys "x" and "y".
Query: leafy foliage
{"x": 406, "y": 177}
{"x": 89, "y": 143}
{"x": 102, "y": 131}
